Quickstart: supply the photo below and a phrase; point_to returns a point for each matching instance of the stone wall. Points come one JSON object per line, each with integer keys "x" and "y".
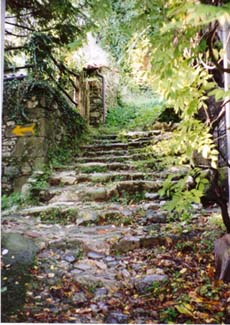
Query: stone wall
{"x": 96, "y": 104}
{"x": 97, "y": 90}
{"x": 44, "y": 122}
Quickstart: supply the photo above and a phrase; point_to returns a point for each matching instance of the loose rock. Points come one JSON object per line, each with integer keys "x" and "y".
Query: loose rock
{"x": 116, "y": 318}
{"x": 145, "y": 283}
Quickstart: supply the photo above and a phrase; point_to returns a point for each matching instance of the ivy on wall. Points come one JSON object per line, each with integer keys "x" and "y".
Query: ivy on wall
{"x": 17, "y": 94}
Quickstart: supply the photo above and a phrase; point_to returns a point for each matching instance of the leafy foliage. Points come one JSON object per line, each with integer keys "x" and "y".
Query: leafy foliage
{"x": 168, "y": 50}
{"x": 182, "y": 197}
{"x": 139, "y": 110}
{"x": 44, "y": 32}
{"x": 11, "y": 200}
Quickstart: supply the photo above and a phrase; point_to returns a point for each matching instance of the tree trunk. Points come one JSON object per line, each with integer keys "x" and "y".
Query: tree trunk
{"x": 226, "y": 46}
{"x": 2, "y": 14}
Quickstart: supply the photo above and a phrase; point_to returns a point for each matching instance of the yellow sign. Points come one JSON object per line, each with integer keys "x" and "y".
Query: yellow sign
{"x": 21, "y": 131}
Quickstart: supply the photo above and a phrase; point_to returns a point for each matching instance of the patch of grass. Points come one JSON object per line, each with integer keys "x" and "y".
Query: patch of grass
{"x": 216, "y": 221}
{"x": 169, "y": 315}
{"x": 79, "y": 253}
{"x": 148, "y": 165}
{"x": 139, "y": 110}
{"x": 7, "y": 201}
{"x": 128, "y": 198}
{"x": 116, "y": 219}
{"x": 40, "y": 183}
{"x": 60, "y": 156}
{"x": 208, "y": 238}
{"x": 63, "y": 153}
{"x": 57, "y": 216}
{"x": 185, "y": 246}
{"x": 146, "y": 117}
{"x": 120, "y": 117}
{"x": 119, "y": 178}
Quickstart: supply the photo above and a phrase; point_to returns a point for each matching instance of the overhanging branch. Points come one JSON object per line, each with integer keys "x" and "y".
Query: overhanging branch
{"x": 210, "y": 39}
{"x": 62, "y": 90}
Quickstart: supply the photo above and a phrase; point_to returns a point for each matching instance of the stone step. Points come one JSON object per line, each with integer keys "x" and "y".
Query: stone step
{"x": 87, "y": 192}
{"x": 125, "y": 139}
{"x": 100, "y": 167}
{"x": 107, "y": 137}
{"x": 89, "y": 208}
{"x": 114, "y": 213}
{"x": 130, "y": 134}
{"x": 129, "y": 243}
{"x": 138, "y": 134}
{"x": 114, "y": 176}
{"x": 103, "y": 153}
{"x": 64, "y": 178}
{"x": 106, "y": 141}
{"x": 67, "y": 175}
{"x": 114, "y": 158}
{"x": 102, "y": 239}
{"x": 120, "y": 148}
{"x": 72, "y": 177}
{"x": 119, "y": 145}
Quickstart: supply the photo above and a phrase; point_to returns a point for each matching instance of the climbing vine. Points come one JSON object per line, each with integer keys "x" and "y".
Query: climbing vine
{"x": 17, "y": 93}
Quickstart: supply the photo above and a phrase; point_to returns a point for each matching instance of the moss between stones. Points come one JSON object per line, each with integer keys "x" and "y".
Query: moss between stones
{"x": 56, "y": 215}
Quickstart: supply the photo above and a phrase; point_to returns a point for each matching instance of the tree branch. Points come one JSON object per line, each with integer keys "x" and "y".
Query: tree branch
{"x": 214, "y": 123}
{"x": 21, "y": 26}
{"x": 62, "y": 90}
{"x": 27, "y": 66}
{"x": 62, "y": 67}
{"x": 17, "y": 35}
{"x": 223, "y": 157}
{"x": 14, "y": 48}
{"x": 21, "y": 15}
{"x": 210, "y": 41}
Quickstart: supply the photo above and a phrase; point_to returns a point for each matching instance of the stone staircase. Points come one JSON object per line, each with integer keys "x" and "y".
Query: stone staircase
{"x": 94, "y": 213}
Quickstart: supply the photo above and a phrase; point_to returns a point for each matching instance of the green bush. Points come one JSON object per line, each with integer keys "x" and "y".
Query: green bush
{"x": 133, "y": 117}
{"x": 10, "y": 200}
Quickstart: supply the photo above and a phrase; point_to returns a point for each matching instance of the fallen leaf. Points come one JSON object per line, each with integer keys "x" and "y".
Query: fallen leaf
{"x": 82, "y": 310}
{"x": 184, "y": 270}
{"x": 51, "y": 275}
{"x": 203, "y": 316}
{"x": 185, "y": 309}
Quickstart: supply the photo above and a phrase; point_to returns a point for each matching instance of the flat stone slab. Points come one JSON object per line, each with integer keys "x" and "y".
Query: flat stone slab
{"x": 116, "y": 318}
{"x": 156, "y": 216}
{"x": 151, "y": 196}
{"x": 126, "y": 244}
{"x": 112, "y": 176}
{"x": 114, "y": 158}
{"x": 18, "y": 254}
{"x": 111, "y": 166}
{"x": 134, "y": 134}
{"x": 23, "y": 249}
{"x": 145, "y": 283}
{"x": 94, "y": 274}
{"x": 95, "y": 256}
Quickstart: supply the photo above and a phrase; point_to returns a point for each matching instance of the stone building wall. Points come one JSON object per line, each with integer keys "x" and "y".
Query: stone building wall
{"x": 27, "y": 140}
{"x": 97, "y": 91}
{"x": 96, "y": 105}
